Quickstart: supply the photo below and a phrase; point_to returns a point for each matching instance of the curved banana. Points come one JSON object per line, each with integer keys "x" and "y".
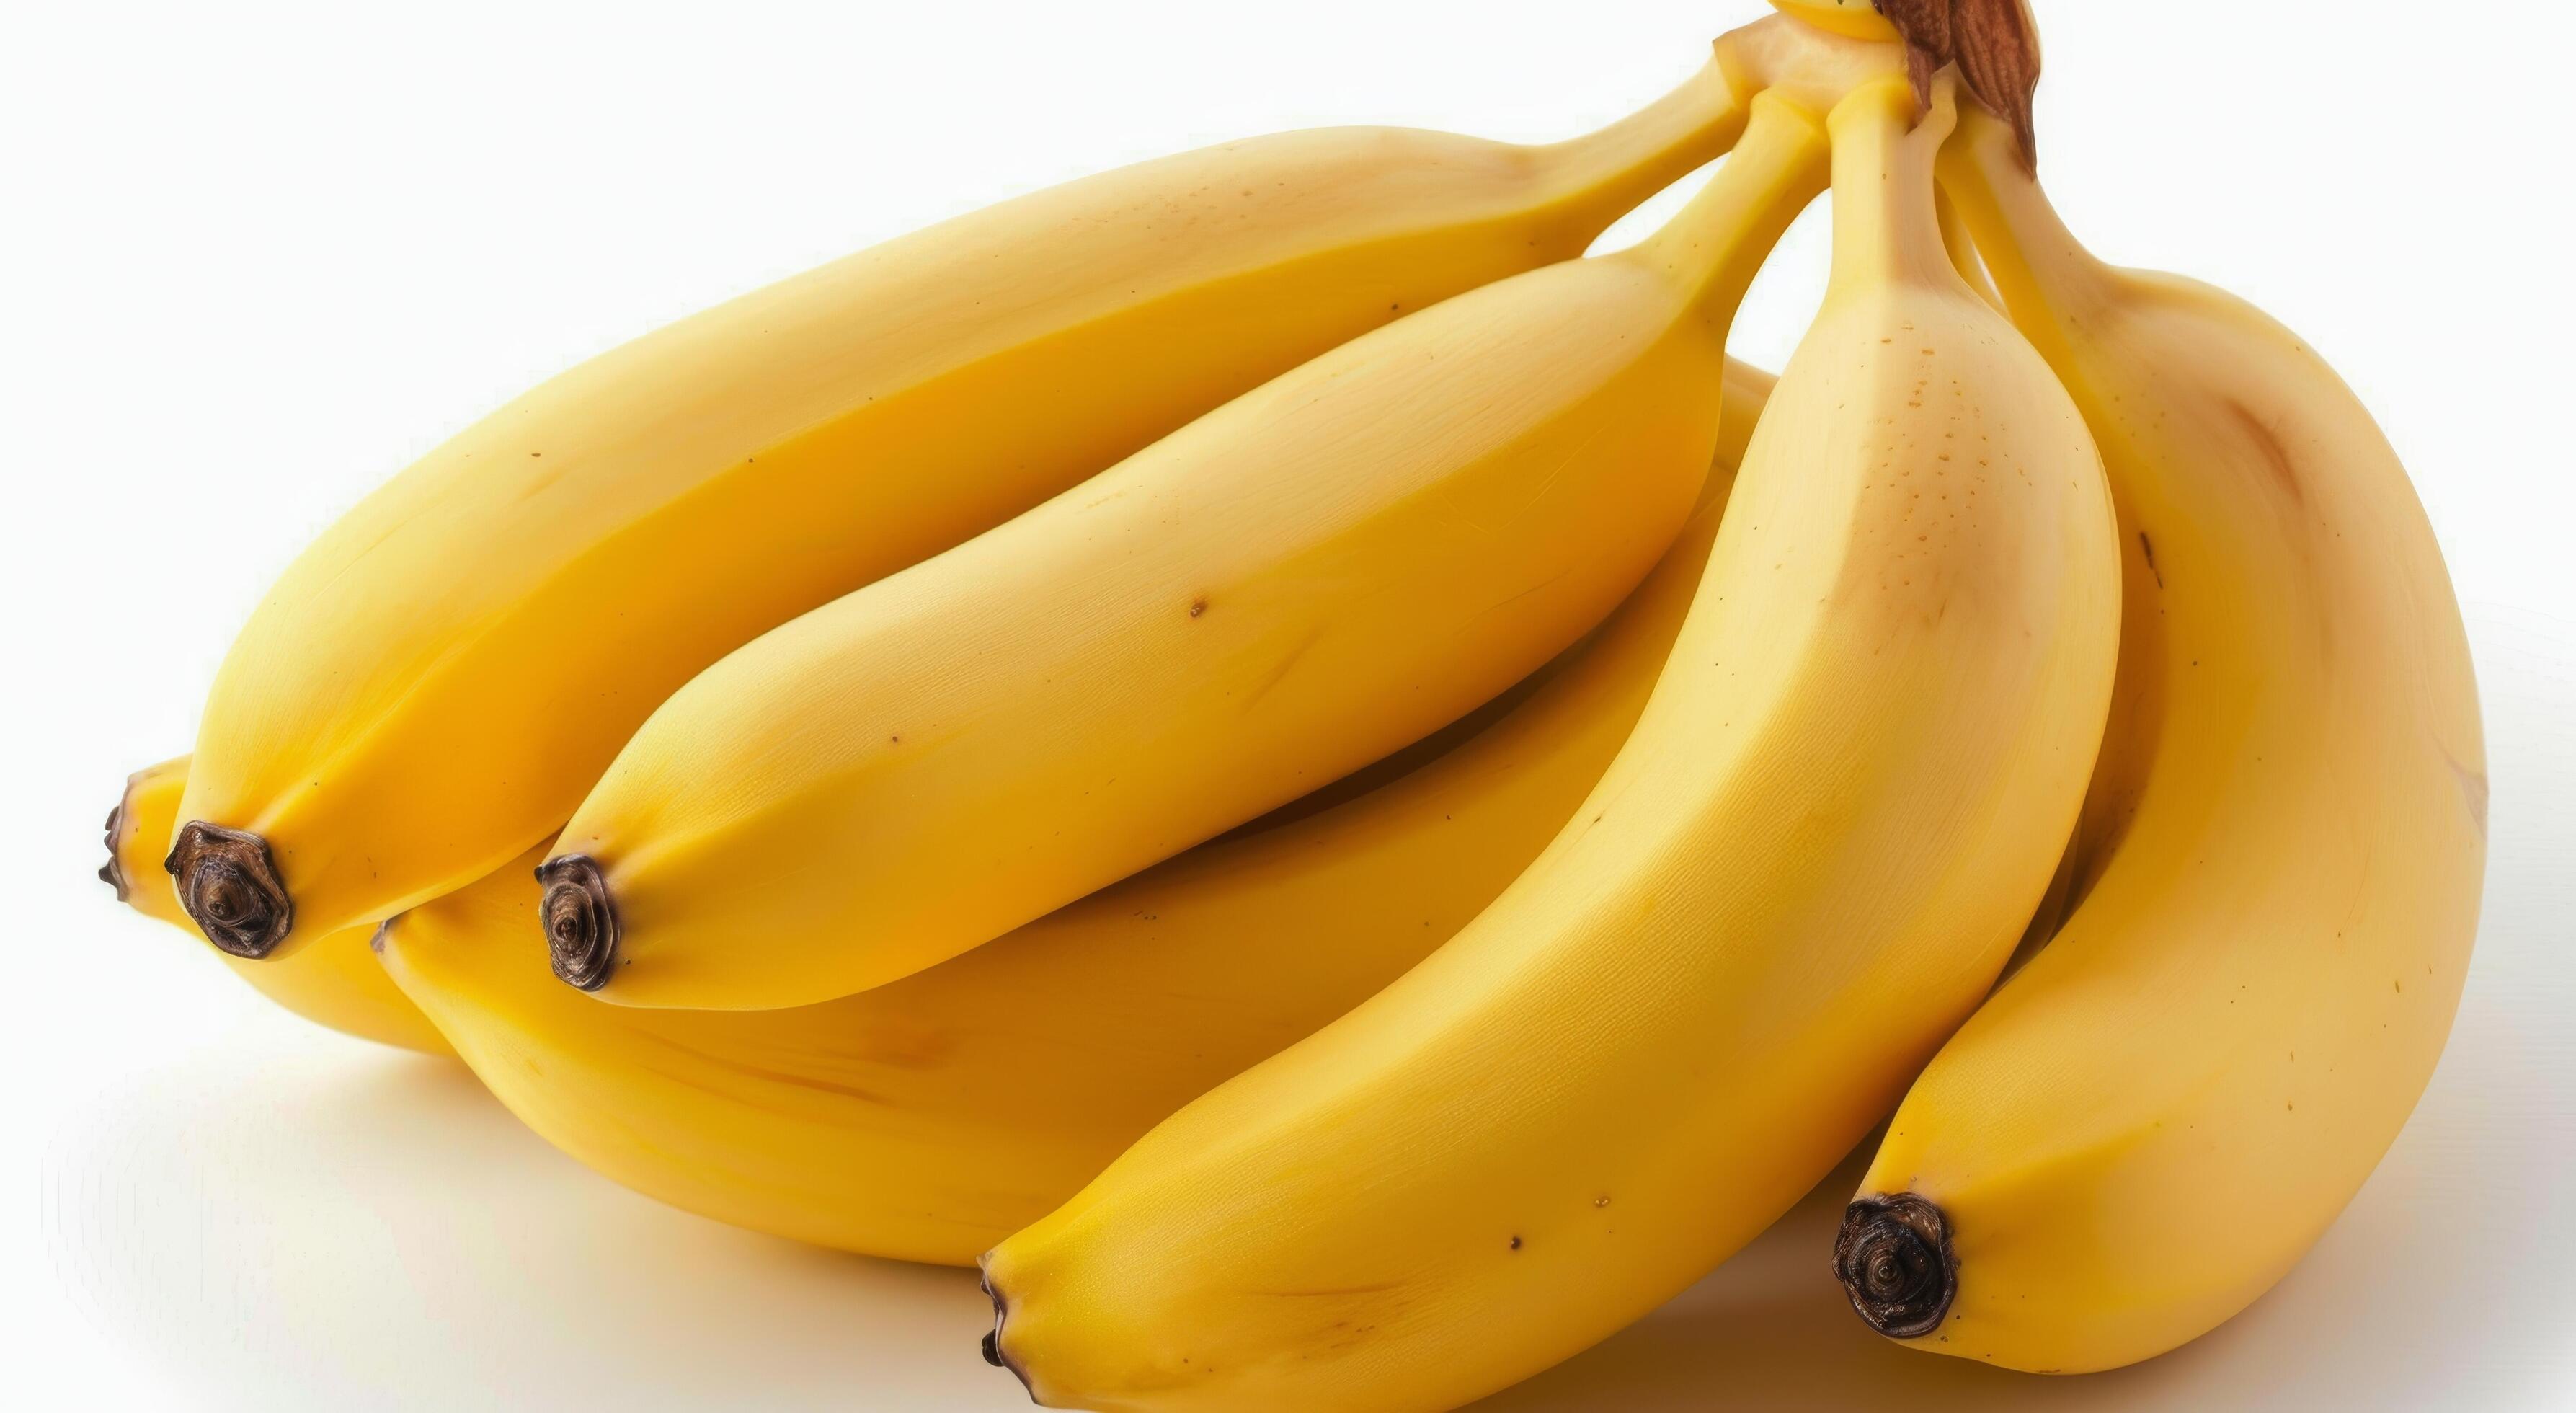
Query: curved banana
{"x": 1844, "y": 797}
{"x": 929, "y": 1118}
{"x": 1323, "y": 570}
{"x": 333, "y": 983}
{"x": 2278, "y": 871}
{"x": 433, "y": 685}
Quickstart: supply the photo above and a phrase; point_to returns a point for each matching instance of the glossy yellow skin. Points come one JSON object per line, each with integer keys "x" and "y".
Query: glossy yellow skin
{"x": 1327, "y": 568}
{"x": 930, "y": 1118}
{"x": 435, "y": 683}
{"x": 1857, "y": 19}
{"x": 2279, "y": 869}
{"x": 1846, "y": 794}
{"x": 335, "y": 982}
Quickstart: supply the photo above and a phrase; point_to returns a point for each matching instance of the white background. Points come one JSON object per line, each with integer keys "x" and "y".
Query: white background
{"x": 256, "y": 258}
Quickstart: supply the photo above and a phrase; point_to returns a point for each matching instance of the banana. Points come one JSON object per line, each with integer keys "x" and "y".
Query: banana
{"x": 433, "y": 685}
{"x": 1855, "y": 19}
{"x": 929, "y": 1118}
{"x": 1331, "y": 566}
{"x": 334, "y": 982}
{"x": 2278, "y": 872}
{"x": 1845, "y": 795}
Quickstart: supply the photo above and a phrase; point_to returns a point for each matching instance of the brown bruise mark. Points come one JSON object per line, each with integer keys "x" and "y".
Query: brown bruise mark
{"x": 1331, "y": 1292}
{"x": 1279, "y": 670}
{"x": 2276, "y": 454}
{"x": 2473, "y": 791}
{"x": 788, "y": 1079}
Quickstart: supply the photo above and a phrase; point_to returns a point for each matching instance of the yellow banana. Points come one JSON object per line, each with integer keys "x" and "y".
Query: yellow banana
{"x": 334, "y": 982}
{"x": 1856, "y": 19}
{"x": 929, "y": 1118}
{"x": 1327, "y": 568}
{"x": 1845, "y": 796}
{"x": 434, "y": 683}
{"x": 2278, "y": 871}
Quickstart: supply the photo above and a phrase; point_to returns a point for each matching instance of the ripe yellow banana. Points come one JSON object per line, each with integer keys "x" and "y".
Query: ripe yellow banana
{"x": 434, "y": 684}
{"x": 1323, "y": 570}
{"x": 929, "y": 1118}
{"x": 2277, "y": 874}
{"x": 1856, "y": 19}
{"x": 334, "y": 982}
{"x": 1845, "y": 796}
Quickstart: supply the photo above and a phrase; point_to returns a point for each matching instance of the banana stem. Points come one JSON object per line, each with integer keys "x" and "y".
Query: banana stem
{"x": 1617, "y": 167}
{"x": 1718, "y": 243}
{"x": 1857, "y": 19}
{"x": 2044, "y": 272}
{"x": 1887, "y": 226}
{"x": 1963, "y": 251}
{"x": 1809, "y": 65}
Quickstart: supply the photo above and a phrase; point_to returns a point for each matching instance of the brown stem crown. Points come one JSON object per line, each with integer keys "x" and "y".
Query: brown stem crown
{"x": 1994, "y": 43}
{"x": 1893, "y": 1257}
{"x": 994, "y": 1354}
{"x": 229, "y": 884}
{"x": 580, "y": 920}
{"x": 112, "y": 873}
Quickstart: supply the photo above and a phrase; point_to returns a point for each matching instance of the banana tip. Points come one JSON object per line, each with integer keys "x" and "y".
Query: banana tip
{"x": 994, "y": 1354}
{"x": 1893, "y": 1257}
{"x": 229, "y": 884}
{"x": 112, "y": 873}
{"x": 580, "y": 920}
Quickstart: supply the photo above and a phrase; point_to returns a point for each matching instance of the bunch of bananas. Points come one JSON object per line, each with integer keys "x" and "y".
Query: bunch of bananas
{"x": 1322, "y": 784}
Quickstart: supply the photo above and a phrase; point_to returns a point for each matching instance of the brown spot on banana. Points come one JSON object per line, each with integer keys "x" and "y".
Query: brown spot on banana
{"x": 2473, "y": 791}
{"x": 2276, "y": 453}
